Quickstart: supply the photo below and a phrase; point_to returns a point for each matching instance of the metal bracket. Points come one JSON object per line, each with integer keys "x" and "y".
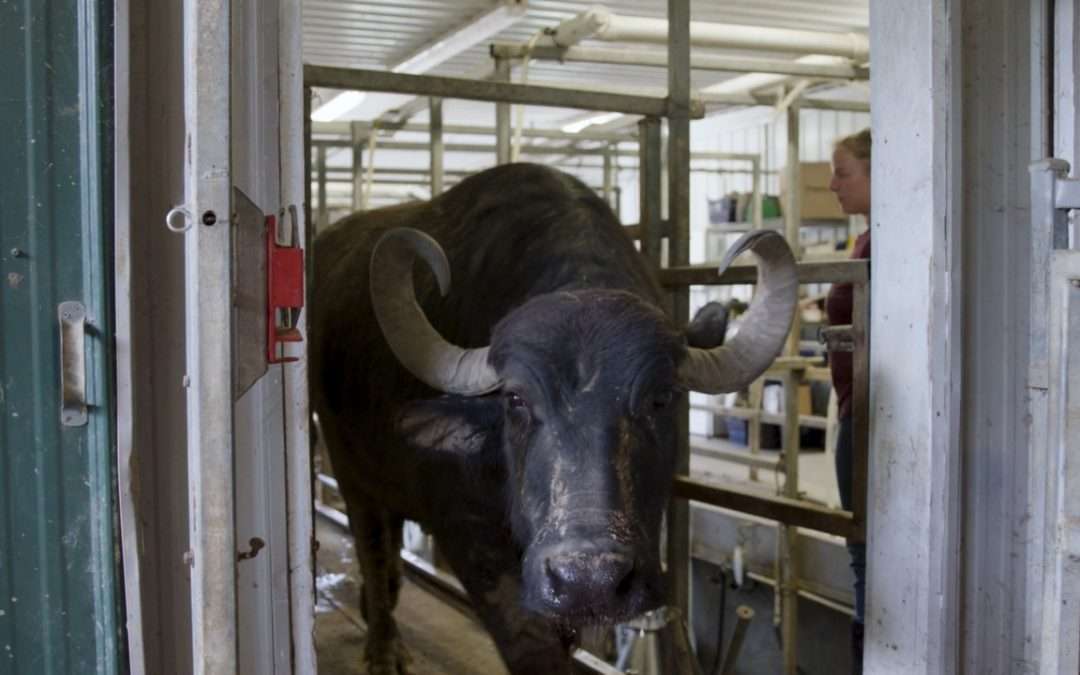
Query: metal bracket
{"x": 73, "y": 410}
{"x": 285, "y": 290}
{"x": 837, "y": 338}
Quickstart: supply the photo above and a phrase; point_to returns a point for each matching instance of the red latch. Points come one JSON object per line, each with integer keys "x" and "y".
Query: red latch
{"x": 285, "y": 293}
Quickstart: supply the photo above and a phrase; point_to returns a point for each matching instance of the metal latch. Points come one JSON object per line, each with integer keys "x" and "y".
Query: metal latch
{"x": 838, "y": 338}
{"x": 284, "y": 291}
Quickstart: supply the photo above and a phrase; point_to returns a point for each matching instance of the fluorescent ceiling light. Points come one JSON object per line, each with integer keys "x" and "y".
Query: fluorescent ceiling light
{"x": 602, "y": 118}
{"x": 465, "y": 36}
{"x": 337, "y": 106}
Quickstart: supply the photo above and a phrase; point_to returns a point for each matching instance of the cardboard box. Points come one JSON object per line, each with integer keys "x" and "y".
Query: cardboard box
{"x": 816, "y": 201}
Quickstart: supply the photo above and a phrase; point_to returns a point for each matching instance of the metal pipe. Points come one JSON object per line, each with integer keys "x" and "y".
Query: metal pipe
{"x": 490, "y": 92}
{"x": 833, "y": 271}
{"x": 357, "y": 136}
{"x": 608, "y": 175}
{"x": 860, "y": 405}
{"x": 757, "y": 217}
{"x": 436, "y": 117}
{"x": 338, "y": 128}
{"x": 658, "y": 58}
{"x": 782, "y": 509}
{"x": 649, "y": 188}
{"x": 788, "y": 535}
{"x": 678, "y": 165}
{"x": 320, "y": 181}
{"x": 599, "y": 23}
{"x": 502, "y": 116}
{"x": 743, "y": 616}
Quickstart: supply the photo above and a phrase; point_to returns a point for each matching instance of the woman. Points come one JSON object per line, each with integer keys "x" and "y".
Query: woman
{"x": 851, "y": 184}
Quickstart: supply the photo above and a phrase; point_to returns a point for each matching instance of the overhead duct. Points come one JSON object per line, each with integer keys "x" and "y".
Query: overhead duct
{"x": 599, "y": 23}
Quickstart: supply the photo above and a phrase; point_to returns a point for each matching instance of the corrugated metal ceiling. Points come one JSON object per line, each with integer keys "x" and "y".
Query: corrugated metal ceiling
{"x": 379, "y": 33}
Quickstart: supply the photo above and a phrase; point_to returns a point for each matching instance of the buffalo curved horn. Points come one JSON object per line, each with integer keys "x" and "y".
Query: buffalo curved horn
{"x": 765, "y": 327}
{"x": 415, "y": 342}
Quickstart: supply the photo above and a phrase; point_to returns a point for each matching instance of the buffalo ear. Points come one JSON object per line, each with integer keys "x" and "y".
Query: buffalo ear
{"x": 458, "y": 425}
{"x": 708, "y": 327}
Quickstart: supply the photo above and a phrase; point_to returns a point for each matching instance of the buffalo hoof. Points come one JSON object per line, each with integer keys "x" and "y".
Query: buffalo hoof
{"x": 389, "y": 657}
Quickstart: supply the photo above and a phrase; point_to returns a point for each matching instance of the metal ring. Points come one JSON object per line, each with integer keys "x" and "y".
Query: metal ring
{"x": 170, "y": 219}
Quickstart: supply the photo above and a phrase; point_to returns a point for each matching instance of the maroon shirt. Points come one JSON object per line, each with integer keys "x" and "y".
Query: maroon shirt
{"x": 838, "y": 308}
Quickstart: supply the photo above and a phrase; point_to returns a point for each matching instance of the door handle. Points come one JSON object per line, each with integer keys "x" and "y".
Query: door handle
{"x": 72, "y": 317}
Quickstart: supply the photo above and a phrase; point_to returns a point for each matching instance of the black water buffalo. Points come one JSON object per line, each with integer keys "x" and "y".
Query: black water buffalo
{"x": 524, "y": 415}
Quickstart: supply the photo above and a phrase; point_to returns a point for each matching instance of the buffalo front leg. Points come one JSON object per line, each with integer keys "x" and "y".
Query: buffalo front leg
{"x": 378, "y": 551}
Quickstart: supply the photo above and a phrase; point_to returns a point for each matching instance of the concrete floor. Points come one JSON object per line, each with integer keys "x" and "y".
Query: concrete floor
{"x": 442, "y": 640}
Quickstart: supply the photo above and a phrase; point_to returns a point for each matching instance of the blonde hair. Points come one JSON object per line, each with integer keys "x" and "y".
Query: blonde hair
{"x": 857, "y": 145}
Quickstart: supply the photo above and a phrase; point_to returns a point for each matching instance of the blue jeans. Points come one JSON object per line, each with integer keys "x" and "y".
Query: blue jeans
{"x": 845, "y": 440}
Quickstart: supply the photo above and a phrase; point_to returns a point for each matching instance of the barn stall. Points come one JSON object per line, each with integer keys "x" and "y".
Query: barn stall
{"x": 204, "y": 130}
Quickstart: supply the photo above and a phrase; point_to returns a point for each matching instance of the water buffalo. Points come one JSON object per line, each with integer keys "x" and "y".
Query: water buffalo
{"x": 524, "y": 415}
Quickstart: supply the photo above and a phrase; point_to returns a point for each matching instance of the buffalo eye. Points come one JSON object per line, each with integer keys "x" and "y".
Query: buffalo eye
{"x": 514, "y": 401}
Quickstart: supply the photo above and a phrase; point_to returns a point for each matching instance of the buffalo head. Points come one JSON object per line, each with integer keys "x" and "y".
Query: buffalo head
{"x": 576, "y": 397}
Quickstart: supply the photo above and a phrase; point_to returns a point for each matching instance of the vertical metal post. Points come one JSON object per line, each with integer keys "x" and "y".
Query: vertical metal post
{"x": 436, "y": 137}
{"x": 649, "y": 188}
{"x": 753, "y": 425}
{"x": 208, "y": 281}
{"x": 1061, "y": 617}
{"x": 320, "y": 168}
{"x": 294, "y": 186}
{"x": 755, "y": 168}
{"x": 358, "y": 138}
{"x": 788, "y": 536}
{"x": 502, "y": 115}
{"x": 860, "y": 406}
{"x": 678, "y": 532}
{"x": 307, "y": 166}
{"x": 609, "y": 175}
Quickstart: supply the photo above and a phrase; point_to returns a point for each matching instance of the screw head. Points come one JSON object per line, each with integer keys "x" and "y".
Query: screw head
{"x": 209, "y": 218}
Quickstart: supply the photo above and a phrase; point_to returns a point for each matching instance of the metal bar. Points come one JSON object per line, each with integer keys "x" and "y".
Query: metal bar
{"x": 838, "y": 271}
{"x": 748, "y": 413}
{"x": 208, "y": 282}
{"x": 332, "y": 128}
{"x": 295, "y": 115}
{"x": 652, "y": 228}
{"x": 780, "y": 509}
{"x": 789, "y": 534}
{"x": 678, "y": 521}
{"x": 735, "y": 457}
{"x": 656, "y": 57}
{"x": 599, "y": 23}
{"x": 320, "y": 181}
{"x": 357, "y": 172}
{"x": 502, "y": 116}
{"x": 757, "y": 218}
{"x": 608, "y": 176}
{"x": 860, "y": 406}
{"x": 437, "y": 170}
{"x": 753, "y": 425}
{"x": 538, "y": 149}
{"x": 1061, "y": 620}
{"x": 743, "y": 616}
{"x": 491, "y": 92}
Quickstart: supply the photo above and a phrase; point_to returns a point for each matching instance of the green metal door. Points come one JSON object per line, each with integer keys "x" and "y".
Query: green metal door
{"x": 59, "y": 597}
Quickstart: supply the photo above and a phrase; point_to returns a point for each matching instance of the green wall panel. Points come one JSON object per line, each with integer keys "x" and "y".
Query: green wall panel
{"x": 59, "y": 591}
